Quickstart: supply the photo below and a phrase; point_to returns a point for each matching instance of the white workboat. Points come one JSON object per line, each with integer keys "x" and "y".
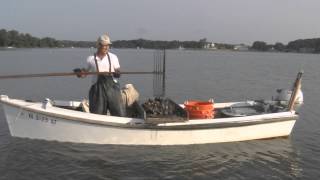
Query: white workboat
{"x": 59, "y": 121}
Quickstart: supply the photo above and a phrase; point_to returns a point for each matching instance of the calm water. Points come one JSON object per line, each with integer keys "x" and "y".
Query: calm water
{"x": 224, "y": 76}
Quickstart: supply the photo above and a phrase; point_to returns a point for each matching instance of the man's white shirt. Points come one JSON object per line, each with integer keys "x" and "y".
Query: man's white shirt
{"x": 103, "y": 64}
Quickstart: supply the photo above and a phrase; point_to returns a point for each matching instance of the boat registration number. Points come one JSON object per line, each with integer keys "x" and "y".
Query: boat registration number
{"x": 38, "y": 117}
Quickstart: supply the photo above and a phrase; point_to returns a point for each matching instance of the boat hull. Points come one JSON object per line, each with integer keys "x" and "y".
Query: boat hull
{"x": 25, "y": 123}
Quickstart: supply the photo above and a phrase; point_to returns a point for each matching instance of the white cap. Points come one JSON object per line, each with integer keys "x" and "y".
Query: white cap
{"x": 104, "y": 40}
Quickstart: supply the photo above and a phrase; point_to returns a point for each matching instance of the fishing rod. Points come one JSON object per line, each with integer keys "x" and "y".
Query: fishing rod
{"x": 16, "y": 76}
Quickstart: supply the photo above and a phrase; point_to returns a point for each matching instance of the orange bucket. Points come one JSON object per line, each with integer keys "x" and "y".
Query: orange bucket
{"x": 199, "y": 109}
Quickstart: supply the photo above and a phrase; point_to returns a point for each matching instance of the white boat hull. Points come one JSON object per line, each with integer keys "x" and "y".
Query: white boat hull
{"x": 37, "y": 123}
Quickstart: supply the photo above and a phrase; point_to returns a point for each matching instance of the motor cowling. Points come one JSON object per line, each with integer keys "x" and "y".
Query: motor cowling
{"x": 283, "y": 97}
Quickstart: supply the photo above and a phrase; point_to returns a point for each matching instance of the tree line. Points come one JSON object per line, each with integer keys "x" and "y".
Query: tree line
{"x": 300, "y": 46}
{"x": 13, "y": 38}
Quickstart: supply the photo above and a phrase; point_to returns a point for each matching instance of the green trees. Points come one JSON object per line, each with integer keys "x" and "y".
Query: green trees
{"x": 279, "y": 46}
{"x": 305, "y": 45}
{"x": 259, "y": 46}
{"x": 300, "y": 46}
{"x": 148, "y": 44}
{"x": 3, "y": 38}
{"x": 15, "y": 39}
{"x": 49, "y": 42}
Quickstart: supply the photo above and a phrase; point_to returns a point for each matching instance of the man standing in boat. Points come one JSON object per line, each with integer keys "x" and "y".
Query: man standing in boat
{"x": 105, "y": 93}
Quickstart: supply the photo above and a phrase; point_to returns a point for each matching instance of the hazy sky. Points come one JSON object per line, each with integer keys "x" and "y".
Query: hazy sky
{"x": 225, "y": 21}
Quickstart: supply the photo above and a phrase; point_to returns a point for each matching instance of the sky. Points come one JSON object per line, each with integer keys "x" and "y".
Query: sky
{"x": 220, "y": 21}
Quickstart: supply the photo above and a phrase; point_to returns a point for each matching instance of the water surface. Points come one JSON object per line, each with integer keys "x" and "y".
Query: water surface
{"x": 224, "y": 76}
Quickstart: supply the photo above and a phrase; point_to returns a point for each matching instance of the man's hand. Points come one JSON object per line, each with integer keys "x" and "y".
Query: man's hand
{"x": 117, "y": 73}
{"x": 78, "y": 72}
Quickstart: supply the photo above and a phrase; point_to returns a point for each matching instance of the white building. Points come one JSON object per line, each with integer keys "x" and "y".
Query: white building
{"x": 210, "y": 45}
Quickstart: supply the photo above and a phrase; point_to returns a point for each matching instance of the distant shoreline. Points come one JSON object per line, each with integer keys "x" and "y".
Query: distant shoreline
{"x": 204, "y": 50}
{"x": 13, "y": 39}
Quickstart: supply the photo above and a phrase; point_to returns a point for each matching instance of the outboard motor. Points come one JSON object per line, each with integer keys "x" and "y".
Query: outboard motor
{"x": 283, "y": 97}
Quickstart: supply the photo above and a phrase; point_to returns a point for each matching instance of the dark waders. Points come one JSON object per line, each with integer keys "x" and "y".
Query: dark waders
{"x": 105, "y": 95}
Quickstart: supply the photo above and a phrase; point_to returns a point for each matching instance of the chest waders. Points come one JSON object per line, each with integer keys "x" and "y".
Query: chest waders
{"x": 105, "y": 95}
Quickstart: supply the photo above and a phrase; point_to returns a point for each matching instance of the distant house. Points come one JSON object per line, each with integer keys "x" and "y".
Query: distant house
{"x": 241, "y": 47}
{"x": 210, "y": 45}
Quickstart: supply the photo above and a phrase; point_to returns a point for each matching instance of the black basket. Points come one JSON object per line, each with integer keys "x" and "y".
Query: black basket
{"x": 160, "y": 110}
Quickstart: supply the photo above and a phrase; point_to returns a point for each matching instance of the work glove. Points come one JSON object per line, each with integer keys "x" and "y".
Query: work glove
{"x": 117, "y": 73}
{"x": 78, "y": 72}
